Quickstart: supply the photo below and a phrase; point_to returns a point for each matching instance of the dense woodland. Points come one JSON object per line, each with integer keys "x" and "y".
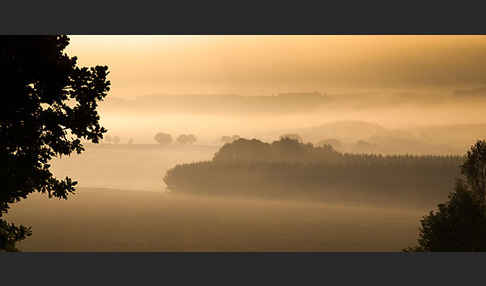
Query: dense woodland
{"x": 289, "y": 169}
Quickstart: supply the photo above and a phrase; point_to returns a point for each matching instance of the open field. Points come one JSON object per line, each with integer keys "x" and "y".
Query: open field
{"x": 110, "y": 220}
{"x": 121, "y": 205}
{"x": 127, "y": 167}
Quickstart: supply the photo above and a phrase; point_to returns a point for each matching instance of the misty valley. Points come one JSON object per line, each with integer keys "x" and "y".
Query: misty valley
{"x": 243, "y": 143}
{"x": 238, "y": 195}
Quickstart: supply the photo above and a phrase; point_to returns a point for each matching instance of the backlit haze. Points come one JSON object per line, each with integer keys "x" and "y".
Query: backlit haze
{"x": 421, "y": 95}
{"x": 393, "y": 81}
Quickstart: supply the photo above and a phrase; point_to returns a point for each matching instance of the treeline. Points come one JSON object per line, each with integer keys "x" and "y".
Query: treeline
{"x": 287, "y": 168}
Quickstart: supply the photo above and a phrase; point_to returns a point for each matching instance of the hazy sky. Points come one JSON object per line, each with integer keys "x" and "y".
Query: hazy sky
{"x": 250, "y": 65}
{"x": 395, "y": 81}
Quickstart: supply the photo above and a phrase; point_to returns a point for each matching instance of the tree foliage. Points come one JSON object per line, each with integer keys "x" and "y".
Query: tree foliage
{"x": 186, "y": 139}
{"x": 334, "y": 143}
{"x": 289, "y": 168}
{"x": 50, "y": 105}
{"x": 292, "y": 136}
{"x": 163, "y": 138}
{"x": 460, "y": 223}
{"x": 474, "y": 170}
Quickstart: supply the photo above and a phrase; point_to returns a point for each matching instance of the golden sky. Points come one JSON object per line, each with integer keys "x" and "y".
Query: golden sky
{"x": 265, "y": 65}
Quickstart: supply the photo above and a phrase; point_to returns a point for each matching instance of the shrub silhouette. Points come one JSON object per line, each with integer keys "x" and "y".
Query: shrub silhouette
{"x": 49, "y": 107}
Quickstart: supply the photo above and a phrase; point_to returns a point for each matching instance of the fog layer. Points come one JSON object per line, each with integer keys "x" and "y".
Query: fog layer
{"x": 103, "y": 220}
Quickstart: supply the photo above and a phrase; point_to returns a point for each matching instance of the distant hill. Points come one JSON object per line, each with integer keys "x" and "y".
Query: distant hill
{"x": 457, "y": 135}
{"x": 355, "y": 135}
{"x": 404, "y": 145}
{"x": 342, "y": 130}
{"x": 219, "y": 103}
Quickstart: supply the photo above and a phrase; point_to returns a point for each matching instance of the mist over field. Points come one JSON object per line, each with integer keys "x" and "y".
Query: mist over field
{"x": 415, "y": 122}
{"x": 110, "y": 220}
{"x": 122, "y": 204}
{"x": 318, "y": 143}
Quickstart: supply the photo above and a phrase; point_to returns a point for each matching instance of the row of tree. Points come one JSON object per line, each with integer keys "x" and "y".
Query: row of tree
{"x": 163, "y": 138}
{"x": 108, "y": 139}
{"x": 288, "y": 168}
{"x": 288, "y": 149}
{"x": 166, "y": 139}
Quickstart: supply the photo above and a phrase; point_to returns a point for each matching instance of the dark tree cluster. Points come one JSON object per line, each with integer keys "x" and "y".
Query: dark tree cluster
{"x": 166, "y": 139}
{"x": 49, "y": 106}
{"x": 292, "y": 136}
{"x": 459, "y": 224}
{"x": 163, "y": 139}
{"x": 287, "y": 168}
{"x": 285, "y": 149}
{"x": 186, "y": 139}
{"x": 334, "y": 143}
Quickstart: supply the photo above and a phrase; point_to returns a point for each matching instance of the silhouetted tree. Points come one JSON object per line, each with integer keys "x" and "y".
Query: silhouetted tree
{"x": 290, "y": 148}
{"x": 289, "y": 168}
{"x": 186, "y": 139}
{"x": 283, "y": 150}
{"x": 116, "y": 139}
{"x": 10, "y": 234}
{"x": 460, "y": 223}
{"x": 292, "y": 137}
{"x": 336, "y": 144}
{"x": 244, "y": 150}
{"x": 474, "y": 169}
{"x": 49, "y": 104}
{"x": 163, "y": 138}
{"x": 457, "y": 225}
